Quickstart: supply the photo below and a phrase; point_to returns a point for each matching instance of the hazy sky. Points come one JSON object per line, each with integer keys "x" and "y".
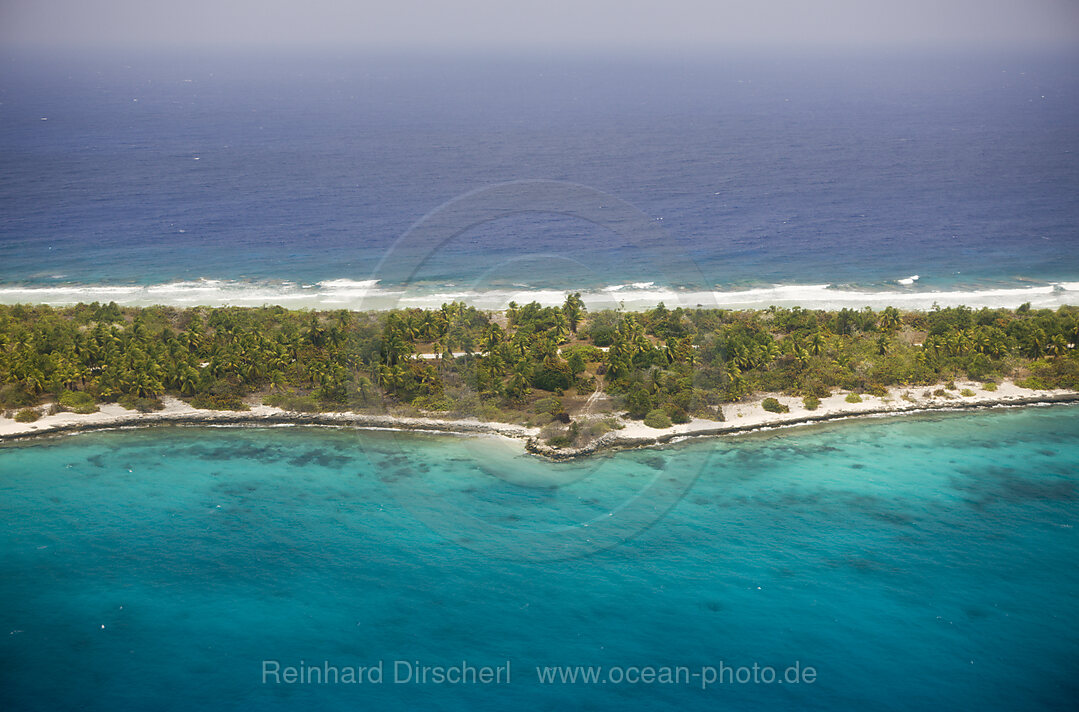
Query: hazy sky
{"x": 543, "y": 24}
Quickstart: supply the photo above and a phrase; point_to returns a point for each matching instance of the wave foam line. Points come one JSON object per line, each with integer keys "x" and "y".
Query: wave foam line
{"x": 368, "y": 294}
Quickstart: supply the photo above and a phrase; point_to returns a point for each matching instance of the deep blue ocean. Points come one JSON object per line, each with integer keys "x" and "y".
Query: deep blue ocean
{"x": 922, "y": 562}
{"x": 288, "y": 178}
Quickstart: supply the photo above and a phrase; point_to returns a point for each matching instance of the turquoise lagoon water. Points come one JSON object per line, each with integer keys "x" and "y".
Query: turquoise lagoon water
{"x": 927, "y": 562}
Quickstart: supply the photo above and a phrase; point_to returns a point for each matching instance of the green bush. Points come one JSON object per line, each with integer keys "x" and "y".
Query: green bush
{"x": 491, "y": 413}
{"x": 1056, "y": 373}
{"x": 657, "y": 418}
{"x": 773, "y": 406}
{"x": 816, "y": 389}
{"x": 78, "y": 402}
{"x": 811, "y": 402}
{"x": 549, "y": 405}
{"x": 677, "y": 415}
{"x": 211, "y": 402}
{"x": 438, "y": 403}
{"x": 143, "y": 405}
{"x": 638, "y": 402}
{"x": 556, "y": 435}
{"x": 614, "y": 423}
{"x": 13, "y": 395}
{"x": 989, "y": 386}
{"x": 585, "y": 384}
{"x": 602, "y": 334}
{"x": 853, "y": 398}
{"x": 966, "y": 393}
{"x": 551, "y": 376}
{"x": 875, "y": 389}
{"x": 293, "y": 402}
{"x": 27, "y": 415}
{"x": 593, "y": 429}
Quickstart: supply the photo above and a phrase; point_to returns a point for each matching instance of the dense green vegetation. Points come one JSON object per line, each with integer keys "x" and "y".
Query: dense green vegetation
{"x": 529, "y": 363}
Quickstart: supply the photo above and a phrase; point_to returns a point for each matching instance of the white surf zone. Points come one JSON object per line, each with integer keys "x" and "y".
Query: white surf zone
{"x": 372, "y": 295}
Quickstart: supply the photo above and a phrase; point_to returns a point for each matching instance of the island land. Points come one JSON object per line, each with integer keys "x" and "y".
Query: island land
{"x": 562, "y": 381}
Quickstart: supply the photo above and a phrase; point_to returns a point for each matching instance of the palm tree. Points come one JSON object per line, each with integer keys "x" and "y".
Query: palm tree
{"x": 492, "y": 337}
{"x": 573, "y": 309}
{"x": 890, "y": 319}
{"x": 1034, "y": 343}
{"x": 561, "y": 329}
{"x": 364, "y": 388}
{"x": 1057, "y": 346}
{"x": 188, "y": 381}
{"x": 277, "y": 380}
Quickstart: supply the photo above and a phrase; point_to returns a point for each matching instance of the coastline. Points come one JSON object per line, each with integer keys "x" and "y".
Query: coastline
{"x": 742, "y": 417}
{"x": 904, "y": 292}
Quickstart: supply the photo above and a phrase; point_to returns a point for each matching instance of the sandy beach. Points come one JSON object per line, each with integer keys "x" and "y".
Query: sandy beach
{"x": 740, "y": 417}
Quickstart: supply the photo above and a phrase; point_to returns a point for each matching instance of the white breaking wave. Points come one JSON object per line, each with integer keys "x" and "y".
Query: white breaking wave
{"x": 370, "y": 294}
{"x": 633, "y": 285}
{"x": 907, "y": 281}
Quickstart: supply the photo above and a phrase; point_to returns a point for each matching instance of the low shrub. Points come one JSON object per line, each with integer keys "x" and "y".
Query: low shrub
{"x": 143, "y": 405}
{"x": 13, "y": 395}
{"x": 584, "y": 384}
{"x": 438, "y": 403}
{"x": 966, "y": 393}
{"x": 614, "y": 423}
{"x": 1055, "y": 373}
{"x": 853, "y": 398}
{"x": 657, "y": 418}
{"x": 27, "y": 415}
{"x": 211, "y": 402}
{"x": 78, "y": 402}
{"x": 593, "y": 429}
{"x": 676, "y": 414}
{"x": 293, "y": 402}
{"x": 811, "y": 402}
{"x": 989, "y": 386}
{"x": 490, "y": 412}
{"x": 549, "y": 405}
{"x": 773, "y": 406}
{"x": 556, "y": 435}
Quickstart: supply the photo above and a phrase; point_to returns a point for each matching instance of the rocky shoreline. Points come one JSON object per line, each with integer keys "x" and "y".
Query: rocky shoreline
{"x": 742, "y": 418}
{"x": 615, "y": 440}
